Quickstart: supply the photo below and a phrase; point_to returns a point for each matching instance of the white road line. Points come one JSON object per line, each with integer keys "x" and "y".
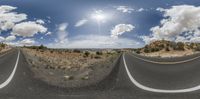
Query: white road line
{"x": 12, "y": 74}
{"x": 178, "y": 62}
{"x": 136, "y": 83}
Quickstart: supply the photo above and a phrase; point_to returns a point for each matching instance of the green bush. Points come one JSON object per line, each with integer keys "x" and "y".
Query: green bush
{"x": 99, "y": 53}
{"x": 76, "y": 51}
{"x": 87, "y": 53}
{"x": 180, "y": 46}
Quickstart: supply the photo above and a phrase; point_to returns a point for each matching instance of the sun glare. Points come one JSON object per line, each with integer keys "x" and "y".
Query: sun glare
{"x": 99, "y": 16}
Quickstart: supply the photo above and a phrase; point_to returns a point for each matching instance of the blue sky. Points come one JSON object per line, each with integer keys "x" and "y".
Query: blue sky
{"x": 92, "y": 23}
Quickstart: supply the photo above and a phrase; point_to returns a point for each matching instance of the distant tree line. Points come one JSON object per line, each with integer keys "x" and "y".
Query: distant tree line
{"x": 36, "y": 47}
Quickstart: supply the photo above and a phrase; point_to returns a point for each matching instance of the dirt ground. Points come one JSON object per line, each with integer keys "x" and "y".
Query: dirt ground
{"x": 70, "y": 69}
{"x": 169, "y": 53}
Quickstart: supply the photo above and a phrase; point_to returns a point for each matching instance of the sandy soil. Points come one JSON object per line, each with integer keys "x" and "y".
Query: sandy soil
{"x": 5, "y": 50}
{"x": 70, "y": 69}
{"x": 169, "y": 53}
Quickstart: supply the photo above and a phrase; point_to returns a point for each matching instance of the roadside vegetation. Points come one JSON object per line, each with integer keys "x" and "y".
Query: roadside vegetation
{"x": 4, "y": 47}
{"x": 70, "y": 67}
{"x": 168, "y": 48}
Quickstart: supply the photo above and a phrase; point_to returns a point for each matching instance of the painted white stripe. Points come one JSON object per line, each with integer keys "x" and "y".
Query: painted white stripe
{"x": 136, "y": 83}
{"x": 12, "y": 74}
{"x": 178, "y": 62}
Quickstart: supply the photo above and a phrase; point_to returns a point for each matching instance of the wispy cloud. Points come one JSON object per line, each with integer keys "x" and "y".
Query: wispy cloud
{"x": 97, "y": 41}
{"x": 81, "y": 22}
{"x": 125, "y": 9}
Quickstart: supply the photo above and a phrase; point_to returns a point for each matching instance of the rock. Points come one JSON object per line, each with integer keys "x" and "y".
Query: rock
{"x": 85, "y": 77}
{"x": 67, "y": 77}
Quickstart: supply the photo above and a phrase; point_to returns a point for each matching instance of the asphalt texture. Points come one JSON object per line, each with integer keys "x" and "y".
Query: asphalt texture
{"x": 115, "y": 86}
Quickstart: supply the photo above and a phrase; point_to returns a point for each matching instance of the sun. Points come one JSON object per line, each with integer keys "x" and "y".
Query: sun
{"x": 99, "y": 16}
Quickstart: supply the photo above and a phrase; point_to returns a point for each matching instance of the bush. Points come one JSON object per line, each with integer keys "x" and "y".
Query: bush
{"x": 51, "y": 51}
{"x": 99, "y": 53}
{"x": 137, "y": 51}
{"x": 180, "y": 46}
{"x": 77, "y": 51}
{"x": 2, "y": 45}
{"x": 87, "y": 53}
{"x": 42, "y": 47}
{"x": 146, "y": 50}
{"x": 167, "y": 49}
{"x": 97, "y": 57}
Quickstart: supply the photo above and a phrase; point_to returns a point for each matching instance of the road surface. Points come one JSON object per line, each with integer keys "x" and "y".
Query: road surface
{"x": 134, "y": 77}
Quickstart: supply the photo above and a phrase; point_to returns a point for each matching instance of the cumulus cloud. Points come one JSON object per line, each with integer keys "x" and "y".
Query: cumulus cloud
{"x": 97, "y": 41}
{"x": 125, "y": 9}
{"x": 8, "y": 18}
{"x": 81, "y": 22}
{"x": 27, "y": 42}
{"x": 10, "y": 38}
{"x": 180, "y": 23}
{"x": 121, "y": 29}
{"x": 48, "y": 33}
{"x": 7, "y": 39}
{"x": 2, "y": 39}
{"x": 28, "y": 29}
{"x": 40, "y": 21}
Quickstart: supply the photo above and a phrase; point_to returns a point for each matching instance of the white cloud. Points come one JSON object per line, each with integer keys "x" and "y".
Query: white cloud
{"x": 81, "y": 22}
{"x": 6, "y": 8}
{"x": 181, "y": 23}
{"x": 62, "y": 33}
{"x": 140, "y": 10}
{"x": 2, "y": 39}
{"x": 97, "y": 41}
{"x": 48, "y": 33}
{"x": 40, "y": 21}
{"x": 121, "y": 29}
{"x": 27, "y": 42}
{"x": 8, "y": 18}
{"x": 10, "y": 38}
{"x": 125, "y": 9}
{"x": 28, "y": 29}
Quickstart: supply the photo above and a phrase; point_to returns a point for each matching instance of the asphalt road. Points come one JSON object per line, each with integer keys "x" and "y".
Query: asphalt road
{"x": 133, "y": 77}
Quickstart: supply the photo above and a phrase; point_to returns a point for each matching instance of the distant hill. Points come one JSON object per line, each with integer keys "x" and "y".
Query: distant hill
{"x": 164, "y": 45}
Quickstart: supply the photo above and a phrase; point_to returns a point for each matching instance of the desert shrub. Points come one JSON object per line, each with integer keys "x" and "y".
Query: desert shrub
{"x": 118, "y": 52}
{"x": 42, "y": 47}
{"x": 97, "y": 57}
{"x": 180, "y": 46}
{"x": 146, "y": 50}
{"x": 155, "y": 49}
{"x": 51, "y": 51}
{"x": 197, "y": 48}
{"x": 137, "y": 51}
{"x": 2, "y": 45}
{"x": 87, "y": 53}
{"x": 76, "y": 51}
{"x": 167, "y": 49}
{"x": 161, "y": 45}
{"x": 99, "y": 53}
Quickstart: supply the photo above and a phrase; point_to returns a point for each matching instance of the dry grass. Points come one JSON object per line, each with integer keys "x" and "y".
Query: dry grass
{"x": 68, "y": 59}
{"x": 69, "y": 68}
{"x": 169, "y": 53}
